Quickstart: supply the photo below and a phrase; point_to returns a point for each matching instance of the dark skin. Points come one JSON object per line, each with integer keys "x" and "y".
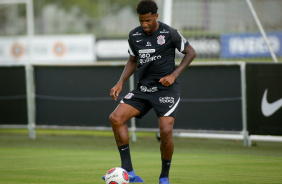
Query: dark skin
{"x": 125, "y": 112}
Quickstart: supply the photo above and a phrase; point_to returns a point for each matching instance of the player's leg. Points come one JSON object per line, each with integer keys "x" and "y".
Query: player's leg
{"x": 167, "y": 146}
{"x": 165, "y": 106}
{"x": 118, "y": 119}
{"x": 133, "y": 104}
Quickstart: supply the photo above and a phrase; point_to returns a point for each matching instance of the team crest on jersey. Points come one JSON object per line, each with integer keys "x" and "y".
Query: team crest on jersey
{"x": 129, "y": 95}
{"x": 161, "y": 40}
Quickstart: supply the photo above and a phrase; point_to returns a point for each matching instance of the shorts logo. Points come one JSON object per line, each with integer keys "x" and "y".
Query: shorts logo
{"x": 150, "y": 90}
{"x": 167, "y": 99}
{"x": 161, "y": 40}
{"x": 129, "y": 95}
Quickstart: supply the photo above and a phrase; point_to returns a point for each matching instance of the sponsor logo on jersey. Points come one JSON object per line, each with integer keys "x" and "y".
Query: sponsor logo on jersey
{"x": 138, "y": 41}
{"x": 149, "y": 44}
{"x": 164, "y": 31}
{"x": 149, "y": 59}
{"x": 145, "y": 51}
{"x": 144, "y": 56}
{"x": 129, "y": 95}
{"x": 161, "y": 40}
{"x": 136, "y": 34}
{"x": 150, "y": 90}
{"x": 167, "y": 99}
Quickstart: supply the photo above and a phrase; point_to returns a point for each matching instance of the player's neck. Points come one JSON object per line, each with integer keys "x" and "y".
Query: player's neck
{"x": 155, "y": 29}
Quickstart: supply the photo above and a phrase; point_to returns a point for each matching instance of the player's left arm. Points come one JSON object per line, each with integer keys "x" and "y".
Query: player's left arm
{"x": 189, "y": 56}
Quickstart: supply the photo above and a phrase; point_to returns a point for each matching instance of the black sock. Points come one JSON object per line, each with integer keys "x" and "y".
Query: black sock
{"x": 165, "y": 168}
{"x": 125, "y": 157}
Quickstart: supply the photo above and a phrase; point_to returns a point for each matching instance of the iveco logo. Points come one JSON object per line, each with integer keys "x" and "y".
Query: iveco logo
{"x": 267, "y": 108}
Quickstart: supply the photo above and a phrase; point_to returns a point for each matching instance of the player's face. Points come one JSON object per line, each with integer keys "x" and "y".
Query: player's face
{"x": 149, "y": 22}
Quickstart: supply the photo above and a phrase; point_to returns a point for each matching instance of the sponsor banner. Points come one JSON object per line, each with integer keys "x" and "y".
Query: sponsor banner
{"x": 112, "y": 49}
{"x": 63, "y": 48}
{"x": 250, "y": 45}
{"x": 118, "y": 49}
{"x": 264, "y": 98}
{"x": 204, "y": 47}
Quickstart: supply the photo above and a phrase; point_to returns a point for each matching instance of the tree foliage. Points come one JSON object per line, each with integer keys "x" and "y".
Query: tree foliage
{"x": 91, "y": 8}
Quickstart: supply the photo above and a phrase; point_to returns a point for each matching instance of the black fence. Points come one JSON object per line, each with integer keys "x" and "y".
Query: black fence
{"x": 75, "y": 95}
{"x": 264, "y": 94}
{"x": 13, "y": 104}
{"x": 211, "y": 98}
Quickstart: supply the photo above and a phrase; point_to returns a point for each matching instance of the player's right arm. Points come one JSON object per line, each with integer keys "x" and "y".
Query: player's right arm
{"x": 129, "y": 69}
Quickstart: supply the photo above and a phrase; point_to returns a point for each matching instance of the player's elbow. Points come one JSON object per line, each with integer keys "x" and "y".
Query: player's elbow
{"x": 193, "y": 53}
{"x": 190, "y": 52}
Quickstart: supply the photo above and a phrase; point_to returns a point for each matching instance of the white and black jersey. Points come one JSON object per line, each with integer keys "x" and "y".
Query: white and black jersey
{"x": 156, "y": 56}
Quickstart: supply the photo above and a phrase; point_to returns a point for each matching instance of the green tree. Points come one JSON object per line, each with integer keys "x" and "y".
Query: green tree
{"x": 91, "y": 8}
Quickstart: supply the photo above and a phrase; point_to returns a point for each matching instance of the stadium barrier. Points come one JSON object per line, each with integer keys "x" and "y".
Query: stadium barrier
{"x": 219, "y": 99}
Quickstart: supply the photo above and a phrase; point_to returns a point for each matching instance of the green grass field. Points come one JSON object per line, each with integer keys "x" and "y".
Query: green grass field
{"x": 82, "y": 157}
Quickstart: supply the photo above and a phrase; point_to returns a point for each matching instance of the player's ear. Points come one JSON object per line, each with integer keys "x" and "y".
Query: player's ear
{"x": 156, "y": 16}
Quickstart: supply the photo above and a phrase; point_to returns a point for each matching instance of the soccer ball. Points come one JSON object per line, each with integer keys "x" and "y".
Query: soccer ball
{"x": 117, "y": 175}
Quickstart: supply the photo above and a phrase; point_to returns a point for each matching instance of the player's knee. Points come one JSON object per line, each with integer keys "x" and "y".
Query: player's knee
{"x": 166, "y": 128}
{"x": 165, "y": 131}
{"x": 114, "y": 119}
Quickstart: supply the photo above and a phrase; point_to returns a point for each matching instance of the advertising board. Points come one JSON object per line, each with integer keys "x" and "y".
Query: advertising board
{"x": 54, "y": 49}
{"x": 264, "y": 98}
{"x": 250, "y": 45}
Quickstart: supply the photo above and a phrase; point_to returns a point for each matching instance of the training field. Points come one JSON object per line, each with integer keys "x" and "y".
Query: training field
{"x": 82, "y": 157}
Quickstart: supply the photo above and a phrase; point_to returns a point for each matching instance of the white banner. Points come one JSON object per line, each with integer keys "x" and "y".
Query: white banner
{"x": 118, "y": 49}
{"x": 112, "y": 49}
{"x": 54, "y": 49}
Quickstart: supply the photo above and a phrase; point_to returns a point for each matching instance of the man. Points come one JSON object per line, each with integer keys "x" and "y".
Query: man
{"x": 151, "y": 52}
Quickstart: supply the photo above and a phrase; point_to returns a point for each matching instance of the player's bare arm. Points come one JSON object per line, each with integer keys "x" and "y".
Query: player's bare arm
{"x": 189, "y": 56}
{"x": 127, "y": 72}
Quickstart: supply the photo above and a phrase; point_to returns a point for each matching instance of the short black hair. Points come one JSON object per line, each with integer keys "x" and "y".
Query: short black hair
{"x": 147, "y": 6}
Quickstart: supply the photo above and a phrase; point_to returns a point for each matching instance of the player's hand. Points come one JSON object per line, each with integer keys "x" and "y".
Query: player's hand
{"x": 115, "y": 91}
{"x": 167, "y": 80}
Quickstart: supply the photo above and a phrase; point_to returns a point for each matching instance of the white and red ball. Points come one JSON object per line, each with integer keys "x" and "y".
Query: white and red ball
{"x": 117, "y": 175}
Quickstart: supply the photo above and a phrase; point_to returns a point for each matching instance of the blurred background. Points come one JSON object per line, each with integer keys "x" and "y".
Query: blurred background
{"x": 210, "y": 25}
{"x": 59, "y": 59}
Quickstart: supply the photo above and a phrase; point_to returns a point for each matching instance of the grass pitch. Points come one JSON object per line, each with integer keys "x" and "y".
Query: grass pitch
{"x": 82, "y": 157}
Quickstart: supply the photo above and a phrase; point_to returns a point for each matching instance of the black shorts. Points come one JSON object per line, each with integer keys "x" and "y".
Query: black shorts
{"x": 164, "y": 102}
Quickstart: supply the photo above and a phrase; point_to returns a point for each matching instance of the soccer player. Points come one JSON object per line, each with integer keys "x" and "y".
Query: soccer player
{"x": 152, "y": 55}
